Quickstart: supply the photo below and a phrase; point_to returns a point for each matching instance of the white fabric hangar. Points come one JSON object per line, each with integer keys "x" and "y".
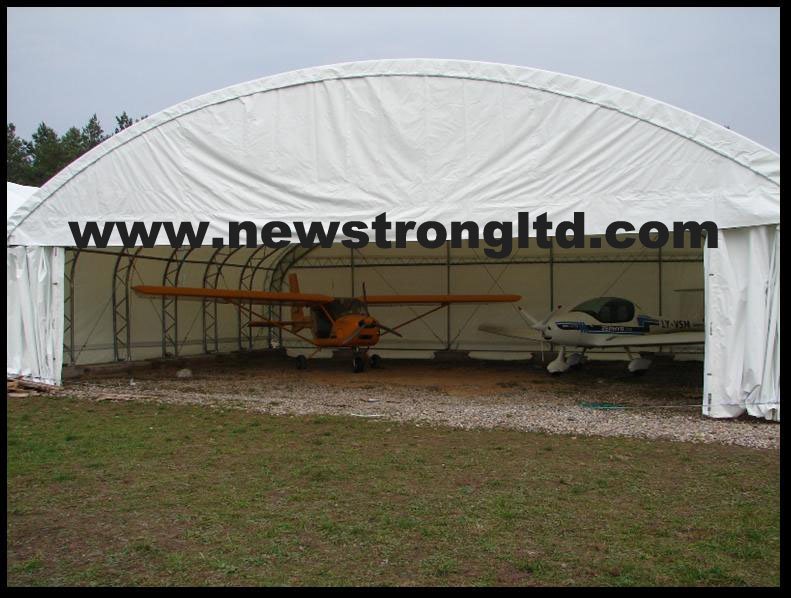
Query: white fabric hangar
{"x": 421, "y": 140}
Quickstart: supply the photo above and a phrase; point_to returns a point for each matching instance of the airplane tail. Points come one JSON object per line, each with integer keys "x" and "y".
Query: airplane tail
{"x": 299, "y": 320}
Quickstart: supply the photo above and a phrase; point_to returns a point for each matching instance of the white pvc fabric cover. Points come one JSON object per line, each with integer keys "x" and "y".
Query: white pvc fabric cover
{"x": 742, "y": 360}
{"x": 16, "y": 195}
{"x": 34, "y": 308}
{"x": 34, "y": 313}
{"x": 422, "y": 140}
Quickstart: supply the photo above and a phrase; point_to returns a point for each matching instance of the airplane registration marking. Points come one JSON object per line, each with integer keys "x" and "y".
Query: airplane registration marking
{"x": 600, "y": 329}
{"x": 673, "y": 324}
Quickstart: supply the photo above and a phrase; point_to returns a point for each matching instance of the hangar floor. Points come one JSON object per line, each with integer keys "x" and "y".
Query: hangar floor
{"x": 600, "y": 398}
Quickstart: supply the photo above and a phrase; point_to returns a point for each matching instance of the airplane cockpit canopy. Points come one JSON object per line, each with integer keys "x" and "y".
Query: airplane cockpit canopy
{"x": 608, "y": 310}
{"x": 343, "y": 306}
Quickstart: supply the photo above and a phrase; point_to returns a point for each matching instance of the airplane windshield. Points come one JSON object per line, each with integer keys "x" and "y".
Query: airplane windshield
{"x": 345, "y": 305}
{"x": 608, "y": 310}
{"x": 322, "y": 326}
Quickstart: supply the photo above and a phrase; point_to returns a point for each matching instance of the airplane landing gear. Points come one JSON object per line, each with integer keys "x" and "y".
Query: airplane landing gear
{"x": 359, "y": 360}
{"x": 375, "y": 361}
{"x": 358, "y": 363}
{"x": 576, "y": 359}
{"x": 559, "y": 364}
{"x": 638, "y": 365}
{"x": 302, "y": 362}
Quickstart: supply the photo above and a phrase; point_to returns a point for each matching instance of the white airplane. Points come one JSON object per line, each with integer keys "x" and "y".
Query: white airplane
{"x": 603, "y": 322}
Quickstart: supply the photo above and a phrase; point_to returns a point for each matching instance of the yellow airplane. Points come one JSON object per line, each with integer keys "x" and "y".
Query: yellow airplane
{"x": 335, "y": 322}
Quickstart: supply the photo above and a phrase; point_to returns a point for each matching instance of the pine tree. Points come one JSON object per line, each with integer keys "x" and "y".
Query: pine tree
{"x": 72, "y": 145}
{"x": 18, "y": 161}
{"x": 123, "y": 122}
{"x": 93, "y": 133}
{"x": 48, "y": 154}
{"x": 35, "y": 162}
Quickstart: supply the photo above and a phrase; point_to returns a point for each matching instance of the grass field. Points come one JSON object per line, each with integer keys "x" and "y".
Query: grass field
{"x": 136, "y": 493}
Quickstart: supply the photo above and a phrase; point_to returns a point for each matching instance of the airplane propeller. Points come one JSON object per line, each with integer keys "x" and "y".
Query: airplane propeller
{"x": 376, "y": 322}
{"x": 542, "y": 327}
{"x": 353, "y": 335}
{"x": 372, "y": 323}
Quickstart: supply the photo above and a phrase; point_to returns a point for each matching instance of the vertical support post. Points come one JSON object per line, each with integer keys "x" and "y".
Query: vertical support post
{"x": 551, "y": 275}
{"x": 659, "y": 290}
{"x": 659, "y": 263}
{"x": 246, "y": 283}
{"x": 211, "y": 277}
{"x": 122, "y": 325}
{"x": 68, "y": 309}
{"x": 351, "y": 262}
{"x": 170, "y": 305}
{"x": 447, "y": 290}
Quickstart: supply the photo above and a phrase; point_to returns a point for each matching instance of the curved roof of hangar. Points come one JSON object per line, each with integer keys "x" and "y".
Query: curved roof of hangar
{"x": 420, "y": 139}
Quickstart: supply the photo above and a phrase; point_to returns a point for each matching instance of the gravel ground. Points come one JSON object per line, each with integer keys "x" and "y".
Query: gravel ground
{"x": 664, "y": 404}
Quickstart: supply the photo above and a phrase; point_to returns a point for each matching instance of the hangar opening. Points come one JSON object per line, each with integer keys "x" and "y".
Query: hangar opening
{"x": 425, "y": 140}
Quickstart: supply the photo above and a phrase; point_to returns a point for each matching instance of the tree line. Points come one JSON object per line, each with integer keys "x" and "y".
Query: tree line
{"x": 36, "y": 161}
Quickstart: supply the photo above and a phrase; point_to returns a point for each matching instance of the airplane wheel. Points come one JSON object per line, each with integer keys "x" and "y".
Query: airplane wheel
{"x": 302, "y": 362}
{"x": 358, "y": 364}
{"x": 375, "y": 361}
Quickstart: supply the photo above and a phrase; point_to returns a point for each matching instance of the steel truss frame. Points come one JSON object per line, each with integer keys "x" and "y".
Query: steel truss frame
{"x": 277, "y": 276}
{"x": 253, "y": 265}
{"x": 122, "y": 329}
{"x": 291, "y": 256}
{"x": 211, "y": 276}
{"x": 170, "y": 305}
{"x": 71, "y": 257}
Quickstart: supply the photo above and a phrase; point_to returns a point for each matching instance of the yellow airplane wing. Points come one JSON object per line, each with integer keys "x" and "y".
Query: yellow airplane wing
{"x": 232, "y": 295}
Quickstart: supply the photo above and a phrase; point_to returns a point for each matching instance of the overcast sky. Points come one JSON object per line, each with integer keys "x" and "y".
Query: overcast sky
{"x": 64, "y": 64}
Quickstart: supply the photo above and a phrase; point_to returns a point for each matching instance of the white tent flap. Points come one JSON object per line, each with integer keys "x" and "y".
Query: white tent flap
{"x": 742, "y": 363}
{"x": 34, "y": 313}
